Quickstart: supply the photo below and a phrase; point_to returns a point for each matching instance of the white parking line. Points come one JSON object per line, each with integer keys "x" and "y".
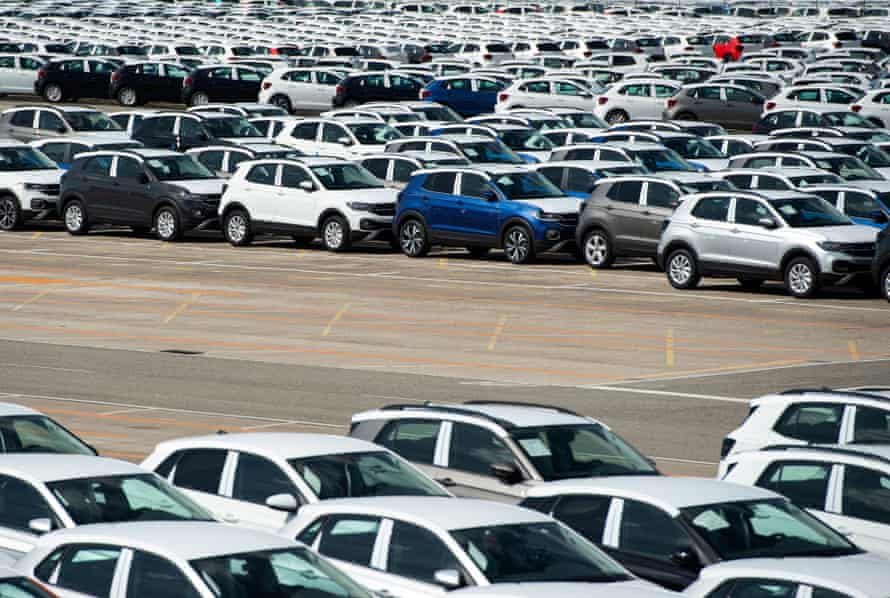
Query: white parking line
{"x": 46, "y": 367}
{"x": 685, "y": 395}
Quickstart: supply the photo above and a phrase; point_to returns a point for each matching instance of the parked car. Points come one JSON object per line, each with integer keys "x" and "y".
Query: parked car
{"x": 874, "y": 106}
{"x": 74, "y": 78}
{"x": 396, "y": 170}
{"x": 546, "y": 92}
{"x": 881, "y": 265}
{"x": 62, "y": 150}
{"x": 729, "y": 105}
{"x": 221, "y": 83}
{"x": 182, "y": 131}
{"x": 18, "y": 73}
{"x": 300, "y": 90}
{"x": 30, "y": 183}
{"x": 26, "y": 430}
{"x": 29, "y": 123}
{"x": 635, "y": 99}
{"x": 342, "y": 138}
{"x": 376, "y": 87}
{"x": 135, "y": 84}
{"x": 223, "y": 160}
{"x": 728, "y": 48}
{"x": 465, "y": 94}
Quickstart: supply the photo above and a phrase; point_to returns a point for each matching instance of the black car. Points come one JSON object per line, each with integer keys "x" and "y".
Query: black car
{"x": 143, "y": 189}
{"x": 181, "y": 131}
{"x": 138, "y": 83}
{"x": 881, "y": 266}
{"x": 74, "y": 78}
{"x": 376, "y": 87}
{"x": 221, "y": 83}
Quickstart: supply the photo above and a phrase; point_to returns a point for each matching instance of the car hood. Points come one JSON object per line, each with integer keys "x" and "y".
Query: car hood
{"x": 556, "y": 205}
{"x": 852, "y": 233}
{"x": 621, "y": 589}
{"x": 107, "y": 136}
{"x": 711, "y": 164}
{"x": 883, "y": 170}
{"x": 201, "y": 187}
{"x": 48, "y": 177}
{"x": 383, "y": 195}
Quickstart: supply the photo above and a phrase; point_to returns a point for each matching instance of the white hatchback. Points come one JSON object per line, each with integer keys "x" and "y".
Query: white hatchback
{"x": 341, "y": 138}
{"x": 635, "y": 99}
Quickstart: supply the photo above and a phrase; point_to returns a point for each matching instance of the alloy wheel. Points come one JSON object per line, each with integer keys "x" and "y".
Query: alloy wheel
{"x": 516, "y": 245}
{"x": 166, "y": 224}
{"x": 333, "y": 234}
{"x": 73, "y": 217}
{"x": 596, "y": 250}
{"x": 800, "y": 279}
{"x": 236, "y": 228}
{"x": 53, "y": 93}
{"x": 9, "y": 214}
{"x": 411, "y": 239}
{"x": 680, "y": 269}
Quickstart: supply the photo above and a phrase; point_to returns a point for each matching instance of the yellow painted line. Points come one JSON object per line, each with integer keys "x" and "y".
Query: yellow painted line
{"x": 854, "y": 350}
{"x": 592, "y": 273}
{"x": 443, "y": 262}
{"x": 498, "y": 329}
{"x": 335, "y": 319}
{"x": 181, "y": 308}
{"x": 165, "y": 245}
{"x": 301, "y": 252}
{"x": 33, "y": 299}
{"x": 669, "y": 348}
{"x": 37, "y": 235}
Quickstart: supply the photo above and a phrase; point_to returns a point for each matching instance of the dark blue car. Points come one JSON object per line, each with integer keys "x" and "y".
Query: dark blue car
{"x": 508, "y": 207}
{"x": 465, "y": 94}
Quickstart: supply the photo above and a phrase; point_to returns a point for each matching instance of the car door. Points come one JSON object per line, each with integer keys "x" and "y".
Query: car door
{"x": 201, "y": 474}
{"x": 157, "y": 132}
{"x": 571, "y": 95}
{"x": 751, "y": 245}
{"x": 458, "y": 94}
{"x": 623, "y": 203}
{"x": 255, "y": 480}
{"x": 485, "y": 95}
{"x": 132, "y": 199}
{"x": 97, "y": 79}
{"x": 98, "y": 189}
{"x": 864, "y": 509}
{"x": 9, "y": 75}
{"x": 22, "y": 125}
{"x": 660, "y": 94}
{"x": 304, "y": 137}
{"x": 261, "y": 193}
{"x": 50, "y": 124}
{"x": 212, "y": 159}
{"x": 442, "y": 208}
{"x": 333, "y": 141}
{"x": 150, "y": 574}
{"x": 149, "y": 82}
{"x": 742, "y": 107}
{"x": 862, "y": 208}
{"x": 660, "y": 201}
{"x": 22, "y": 504}
{"x": 169, "y": 83}
{"x": 80, "y": 570}
{"x": 221, "y": 85}
{"x": 471, "y": 452}
{"x": 349, "y": 541}
{"x": 477, "y": 209}
{"x": 710, "y": 227}
{"x": 420, "y": 441}
{"x": 296, "y": 206}
{"x": 247, "y": 84}
{"x": 413, "y": 557}
{"x": 323, "y": 91}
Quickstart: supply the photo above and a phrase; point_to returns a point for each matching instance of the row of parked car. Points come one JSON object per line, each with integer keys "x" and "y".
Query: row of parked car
{"x": 480, "y": 499}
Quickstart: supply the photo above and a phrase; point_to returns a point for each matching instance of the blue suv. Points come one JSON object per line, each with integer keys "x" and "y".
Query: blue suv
{"x": 507, "y": 207}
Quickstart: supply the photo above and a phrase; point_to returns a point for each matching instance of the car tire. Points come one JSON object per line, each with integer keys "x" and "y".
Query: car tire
{"x": 283, "y": 102}
{"x": 885, "y": 283}
{"x": 127, "y": 96}
{"x": 168, "y": 224}
{"x": 199, "y": 98}
{"x": 519, "y": 245}
{"x": 615, "y": 117}
{"x": 413, "y": 238}
{"x": 74, "y": 217}
{"x": 10, "y": 213}
{"x": 597, "y": 249}
{"x": 478, "y": 252}
{"x": 236, "y": 228}
{"x": 685, "y": 116}
{"x": 802, "y": 278}
{"x": 335, "y": 234}
{"x": 682, "y": 269}
{"x": 750, "y": 284}
{"x": 53, "y": 93}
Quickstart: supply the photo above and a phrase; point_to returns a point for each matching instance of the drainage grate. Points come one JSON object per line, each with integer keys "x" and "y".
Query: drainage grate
{"x": 181, "y": 352}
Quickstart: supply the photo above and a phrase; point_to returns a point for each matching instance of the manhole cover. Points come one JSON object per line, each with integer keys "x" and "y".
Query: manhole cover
{"x": 181, "y": 352}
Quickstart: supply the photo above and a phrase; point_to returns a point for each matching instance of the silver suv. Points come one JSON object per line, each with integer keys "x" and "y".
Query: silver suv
{"x": 801, "y": 239}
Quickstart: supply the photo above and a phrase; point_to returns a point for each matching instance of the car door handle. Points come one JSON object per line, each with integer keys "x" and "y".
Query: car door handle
{"x": 694, "y": 225}
{"x": 460, "y": 203}
{"x": 230, "y": 518}
{"x": 647, "y": 213}
{"x": 734, "y": 230}
{"x": 447, "y": 482}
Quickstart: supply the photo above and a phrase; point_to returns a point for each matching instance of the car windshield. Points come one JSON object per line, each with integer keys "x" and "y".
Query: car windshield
{"x": 806, "y": 212}
{"x": 705, "y": 186}
{"x": 580, "y": 451}
{"x": 620, "y": 170}
{"x": 443, "y": 113}
{"x": 231, "y": 126}
{"x": 526, "y": 140}
{"x": 90, "y": 121}
{"x": 112, "y": 499}
{"x": 847, "y": 119}
{"x": 536, "y": 552}
{"x": 294, "y": 572}
{"x": 815, "y": 179}
{"x": 439, "y": 162}
{"x": 525, "y": 185}
{"x": 187, "y": 51}
{"x": 871, "y": 155}
{"x": 21, "y": 587}
{"x": 355, "y": 475}
{"x": 338, "y": 177}
{"x": 693, "y": 147}
{"x": 178, "y": 168}
{"x": 490, "y": 151}
{"x": 764, "y": 528}
{"x": 15, "y": 159}
{"x": 849, "y": 168}
{"x": 585, "y": 120}
{"x": 38, "y": 434}
{"x": 373, "y": 133}
{"x": 661, "y": 160}
{"x": 404, "y": 117}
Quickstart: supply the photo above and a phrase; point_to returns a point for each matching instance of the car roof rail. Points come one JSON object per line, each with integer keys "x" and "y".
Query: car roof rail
{"x": 830, "y": 449}
{"x": 556, "y": 408}
{"x": 863, "y": 393}
{"x": 430, "y": 406}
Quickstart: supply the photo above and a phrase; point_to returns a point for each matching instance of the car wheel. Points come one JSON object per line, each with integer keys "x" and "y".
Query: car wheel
{"x": 685, "y": 116}
{"x": 53, "y": 93}
{"x": 413, "y": 240}
{"x": 802, "y": 277}
{"x": 597, "y": 249}
{"x": 75, "y": 218}
{"x": 478, "y": 252}
{"x": 519, "y": 245}
{"x": 236, "y": 228}
{"x": 10, "y": 213}
{"x": 167, "y": 224}
{"x": 335, "y": 234}
{"x": 682, "y": 270}
{"x": 282, "y": 102}
{"x": 617, "y": 116}
{"x": 750, "y": 284}
{"x": 199, "y": 98}
{"x": 885, "y": 283}
{"x": 127, "y": 96}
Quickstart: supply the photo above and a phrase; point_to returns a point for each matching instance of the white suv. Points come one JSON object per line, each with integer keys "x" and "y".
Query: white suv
{"x": 29, "y": 182}
{"x": 337, "y": 200}
{"x": 343, "y": 138}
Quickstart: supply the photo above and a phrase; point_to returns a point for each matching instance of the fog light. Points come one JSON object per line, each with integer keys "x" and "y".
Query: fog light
{"x": 552, "y": 235}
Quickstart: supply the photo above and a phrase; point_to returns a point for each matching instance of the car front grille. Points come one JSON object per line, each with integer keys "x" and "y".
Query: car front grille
{"x": 569, "y": 219}
{"x": 212, "y": 200}
{"x": 46, "y": 189}
{"x": 384, "y": 209}
{"x": 858, "y": 249}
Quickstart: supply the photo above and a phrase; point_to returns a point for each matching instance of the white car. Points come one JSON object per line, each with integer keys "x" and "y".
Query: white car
{"x": 435, "y": 547}
{"x": 545, "y": 92}
{"x": 272, "y": 475}
{"x": 41, "y": 493}
{"x": 336, "y": 200}
{"x": 814, "y": 416}
{"x": 875, "y": 106}
{"x": 181, "y": 559}
{"x": 341, "y": 138}
{"x": 824, "y": 41}
{"x": 483, "y": 54}
{"x": 18, "y": 73}
{"x": 300, "y": 90}
{"x": 30, "y": 183}
{"x": 635, "y": 99}
{"x": 847, "y": 488}
{"x": 793, "y": 578}
{"x": 810, "y": 96}
{"x": 16, "y": 585}
{"x": 62, "y": 150}
{"x": 25, "y": 430}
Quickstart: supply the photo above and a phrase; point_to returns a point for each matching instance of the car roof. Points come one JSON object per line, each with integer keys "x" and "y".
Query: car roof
{"x": 670, "y": 493}
{"x": 54, "y": 467}
{"x": 283, "y": 445}
{"x": 633, "y": 589}
{"x": 188, "y": 540}
{"x": 11, "y": 409}
{"x": 516, "y": 415}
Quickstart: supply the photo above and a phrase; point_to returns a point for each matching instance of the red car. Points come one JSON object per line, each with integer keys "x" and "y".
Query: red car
{"x": 728, "y": 48}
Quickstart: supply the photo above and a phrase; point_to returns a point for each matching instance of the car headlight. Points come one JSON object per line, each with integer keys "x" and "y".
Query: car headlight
{"x": 549, "y": 217}
{"x": 830, "y": 245}
{"x": 359, "y": 206}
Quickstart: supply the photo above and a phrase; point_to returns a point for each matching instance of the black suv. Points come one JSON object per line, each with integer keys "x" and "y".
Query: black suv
{"x": 376, "y": 87}
{"x": 881, "y": 266}
{"x": 136, "y": 84}
{"x": 60, "y": 80}
{"x": 181, "y": 131}
{"x": 143, "y": 189}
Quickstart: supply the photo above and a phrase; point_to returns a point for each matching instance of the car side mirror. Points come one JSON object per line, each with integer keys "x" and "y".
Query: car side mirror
{"x": 674, "y": 204}
{"x": 879, "y": 217}
{"x": 448, "y": 578}
{"x": 307, "y": 186}
{"x": 143, "y": 179}
{"x": 42, "y": 525}
{"x": 686, "y": 559}
{"x": 508, "y": 473}
{"x": 767, "y": 223}
{"x": 61, "y": 129}
{"x": 344, "y": 141}
{"x": 203, "y": 136}
{"x": 283, "y": 502}
{"x": 489, "y": 195}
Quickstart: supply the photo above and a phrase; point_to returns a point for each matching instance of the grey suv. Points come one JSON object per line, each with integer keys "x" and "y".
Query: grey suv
{"x": 624, "y": 215}
{"x": 801, "y": 239}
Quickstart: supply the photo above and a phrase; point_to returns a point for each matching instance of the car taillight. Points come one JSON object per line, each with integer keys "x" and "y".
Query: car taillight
{"x": 602, "y": 100}
{"x": 266, "y": 85}
{"x": 671, "y": 103}
{"x": 274, "y": 51}
{"x": 187, "y": 82}
{"x": 769, "y": 106}
{"x": 425, "y": 93}
{"x": 638, "y": 50}
{"x": 41, "y": 73}
{"x": 688, "y": 49}
{"x": 426, "y": 58}
{"x": 837, "y": 44}
{"x": 855, "y": 107}
{"x": 487, "y": 57}
{"x": 588, "y": 54}
{"x": 339, "y": 90}
{"x": 503, "y": 97}
{"x": 116, "y": 76}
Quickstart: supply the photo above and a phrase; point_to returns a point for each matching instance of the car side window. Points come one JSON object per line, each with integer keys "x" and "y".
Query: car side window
{"x": 49, "y": 121}
{"x": 55, "y": 151}
{"x": 22, "y": 118}
{"x": 402, "y": 170}
{"x": 298, "y": 76}
{"x": 220, "y": 73}
{"x": 579, "y": 180}
{"x": 292, "y": 176}
{"x": 629, "y": 192}
{"x": 472, "y": 185}
{"x": 805, "y": 483}
{"x": 150, "y": 69}
{"x": 749, "y": 211}
{"x": 708, "y": 93}
{"x": 866, "y": 494}
{"x": 377, "y": 166}
{"x": 417, "y": 553}
{"x": 261, "y": 174}
{"x": 742, "y": 181}
{"x": 805, "y": 95}
{"x": 872, "y": 426}
{"x": 256, "y": 479}
{"x": 189, "y": 128}
{"x": 649, "y": 531}
{"x": 307, "y": 131}
{"x": 29, "y": 64}
{"x": 812, "y": 422}
{"x": 129, "y": 168}
{"x": 7, "y": 62}
{"x": 761, "y": 588}
{"x": 331, "y": 133}
{"x": 20, "y": 503}
{"x": 152, "y": 575}
{"x": 835, "y": 96}
{"x": 860, "y": 205}
{"x": 200, "y": 469}
{"x": 826, "y": 593}
{"x": 88, "y": 569}
{"x": 485, "y": 85}
{"x": 552, "y": 174}
{"x": 641, "y": 90}
{"x": 413, "y": 439}
{"x": 739, "y": 95}
{"x": 784, "y": 120}
{"x": 98, "y": 166}
{"x": 585, "y": 514}
{"x": 457, "y": 84}
{"x": 349, "y": 538}
{"x": 810, "y": 119}
{"x": 662, "y": 196}
{"x": 440, "y": 182}
{"x": 475, "y": 449}
{"x": 712, "y": 208}
{"x": 212, "y": 159}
